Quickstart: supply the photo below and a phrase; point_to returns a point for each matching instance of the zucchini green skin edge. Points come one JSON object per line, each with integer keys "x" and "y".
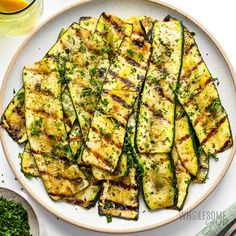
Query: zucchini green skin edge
{"x": 155, "y": 120}
{"x": 201, "y": 100}
{"x": 185, "y": 142}
{"x": 183, "y": 179}
{"x": 121, "y": 83}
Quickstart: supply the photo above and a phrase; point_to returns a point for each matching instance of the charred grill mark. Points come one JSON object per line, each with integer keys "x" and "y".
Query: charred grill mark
{"x": 187, "y": 50}
{"x": 84, "y": 203}
{"x": 199, "y": 118}
{"x": 138, "y": 43}
{"x": 125, "y": 81}
{"x": 16, "y": 132}
{"x": 184, "y": 138}
{"x": 160, "y": 91}
{"x": 156, "y": 113}
{"x": 61, "y": 177}
{"x": 120, "y": 206}
{"x": 67, "y": 120}
{"x": 187, "y": 75}
{"x": 199, "y": 90}
{"x": 214, "y": 130}
{"x": 107, "y": 137}
{"x": 117, "y": 27}
{"x": 120, "y": 100}
{"x": 209, "y": 81}
{"x": 226, "y": 145}
{"x": 85, "y": 18}
{"x": 101, "y": 72}
{"x": 122, "y": 185}
{"x": 100, "y": 158}
{"x": 45, "y": 114}
{"x": 132, "y": 62}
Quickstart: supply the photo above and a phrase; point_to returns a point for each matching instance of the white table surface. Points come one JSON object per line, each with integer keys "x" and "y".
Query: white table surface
{"x": 219, "y": 18}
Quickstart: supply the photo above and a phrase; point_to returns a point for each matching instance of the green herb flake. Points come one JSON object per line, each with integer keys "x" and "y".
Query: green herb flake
{"x": 130, "y": 52}
{"x": 28, "y": 175}
{"x": 105, "y": 102}
{"x": 109, "y": 218}
{"x": 14, "y": 218}
{"x": 108, "y": 205}
{"x": 213, "y": 156}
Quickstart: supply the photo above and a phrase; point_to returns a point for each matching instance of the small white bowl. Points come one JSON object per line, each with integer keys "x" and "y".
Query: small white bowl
{"x": 29, "y": 206}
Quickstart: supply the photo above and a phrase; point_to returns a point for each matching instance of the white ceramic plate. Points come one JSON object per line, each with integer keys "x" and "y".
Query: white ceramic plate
{"x": 35, "y": 48}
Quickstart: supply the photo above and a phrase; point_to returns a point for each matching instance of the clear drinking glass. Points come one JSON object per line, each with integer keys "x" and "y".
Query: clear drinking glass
{"x": 21, "y": 21}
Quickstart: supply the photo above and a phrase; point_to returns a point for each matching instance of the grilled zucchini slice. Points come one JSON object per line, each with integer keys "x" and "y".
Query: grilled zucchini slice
{"x": 87, "y": 197}
{"x": 183, "y": 179}
{"x": 28, "y": 165}
{"x": 155, "y": 121}
{"x": 60, "y": 178}
{"x": 199, "y": 97}
{"x": 185, "y": 142}
{"x": 13, "y": 119}
{"x": 93, "y": 59}
{"x": 158, "y": 180}
{"x": 123, "y": 82}
{"x": 43, "y": 110}
{"x": 86, "y": 73}
{"x": 119, "y": 197}
{"x": 158, "y": 175}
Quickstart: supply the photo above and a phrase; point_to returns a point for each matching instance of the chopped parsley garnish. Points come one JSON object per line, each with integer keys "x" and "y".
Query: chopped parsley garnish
{"x": 28, "y": 175}
{"x": 21, "y": 95}
{"x": 104, "y": 101}
{"x": 216, "y": 80}
{"x": 14, "y": 218}
{"x": 108, "y": 205}
{"x": 213, "y": 156}
{"x": 109, "y": 218}
{"x": 130, "y": 52}
{"x": 36, "y": 129}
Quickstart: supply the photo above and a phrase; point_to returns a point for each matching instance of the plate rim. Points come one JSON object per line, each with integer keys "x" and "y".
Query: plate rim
{"x": 60, "y": 215}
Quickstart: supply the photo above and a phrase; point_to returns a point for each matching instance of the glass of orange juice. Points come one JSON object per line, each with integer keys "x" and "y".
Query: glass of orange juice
{"x": 18, "y": 17}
